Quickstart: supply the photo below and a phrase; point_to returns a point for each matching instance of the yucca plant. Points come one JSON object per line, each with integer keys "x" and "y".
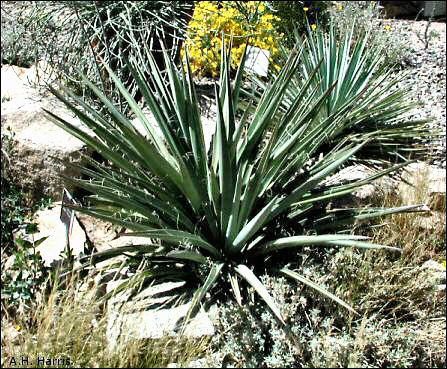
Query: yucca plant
{"x": 375, "y": 98}
{"x": 210, "y": 216}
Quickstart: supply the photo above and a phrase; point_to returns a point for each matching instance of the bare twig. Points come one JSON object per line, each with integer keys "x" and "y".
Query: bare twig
{"x": 427, "y": 35}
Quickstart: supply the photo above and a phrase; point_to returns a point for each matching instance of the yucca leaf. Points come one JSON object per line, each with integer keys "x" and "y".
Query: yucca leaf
{"x": 166, "y": 204}
{"x": 116, "y": 251}
{"x": 234, "y": 217}
{"x": 251, "y": 278}
{"x": 235, "y": 288}
{"x": 363, "y": 245}
{"x": 225, "y": 168}
{"x": 201, "y": 291}
{"x": 187, "y": 255}
{"x": 140, "y": 115}
{"x": 289, "y": 273}
{"x": 112, "y": 217}
{"x": 301, "y": 241}
{"x": 252, "y": 226}
{"x": 238, "y": 78}
{"x": 176, "y": 236}
{"x": 341, "y": 157}
{"x": 161, "y": 113}
{"x": 196, "y": 131}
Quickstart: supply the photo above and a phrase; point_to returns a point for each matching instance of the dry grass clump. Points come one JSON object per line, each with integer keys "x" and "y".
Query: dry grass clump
{"x": 403, "y": 295}
{"x": 421, "y": 235}
{"x": 70, "y": 327}
{"x": 379, "y": 344}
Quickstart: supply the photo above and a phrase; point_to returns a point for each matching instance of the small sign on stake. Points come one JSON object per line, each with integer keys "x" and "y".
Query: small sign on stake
{"x": 67, "y": 214}
{"x": 67, "y": 217}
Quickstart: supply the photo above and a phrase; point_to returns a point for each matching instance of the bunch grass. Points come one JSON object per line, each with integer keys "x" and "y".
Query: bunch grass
{"x": 70, "y": 325}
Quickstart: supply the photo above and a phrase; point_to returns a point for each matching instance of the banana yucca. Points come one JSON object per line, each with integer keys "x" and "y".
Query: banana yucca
{"x": 355, "y": 75}
{"x": 207, "y": 216}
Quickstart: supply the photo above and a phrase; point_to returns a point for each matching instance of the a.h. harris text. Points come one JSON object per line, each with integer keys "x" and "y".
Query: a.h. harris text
{"x": 42, "y": 361}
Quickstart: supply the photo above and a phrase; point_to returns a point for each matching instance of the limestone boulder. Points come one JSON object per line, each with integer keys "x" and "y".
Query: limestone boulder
{"x": 100, "y": 233}
{"x": 151, "y": 315}
{"x": 426, "y": 184}
{"x": 363, "y": 194}
{"x": 37, "y": 141}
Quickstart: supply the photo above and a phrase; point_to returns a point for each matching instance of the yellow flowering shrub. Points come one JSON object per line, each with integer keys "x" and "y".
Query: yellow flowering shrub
{"x": 241, "y": 19}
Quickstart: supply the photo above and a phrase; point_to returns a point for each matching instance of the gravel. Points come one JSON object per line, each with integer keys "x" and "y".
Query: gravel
{"x": 427, "y": 77}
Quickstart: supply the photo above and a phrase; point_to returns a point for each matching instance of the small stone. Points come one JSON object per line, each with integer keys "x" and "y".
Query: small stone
{"x": 9, "y": 262}
{"x": 137, "y": 320}
{"x": 198, "y": 363}
{"x": 436, "y": 272}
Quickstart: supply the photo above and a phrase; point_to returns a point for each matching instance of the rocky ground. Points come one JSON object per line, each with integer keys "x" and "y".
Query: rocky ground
{"x": 427, "y": 73}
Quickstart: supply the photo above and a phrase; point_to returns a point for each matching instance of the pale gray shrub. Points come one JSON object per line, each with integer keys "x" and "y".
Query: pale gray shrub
{"x": 369, "y": 16}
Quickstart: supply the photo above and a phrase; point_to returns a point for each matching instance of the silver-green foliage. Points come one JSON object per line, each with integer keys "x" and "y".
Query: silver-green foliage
{"x": 319, "y": 336}
{"x": 218, "y": 217}
{"x": 369, "y": 16}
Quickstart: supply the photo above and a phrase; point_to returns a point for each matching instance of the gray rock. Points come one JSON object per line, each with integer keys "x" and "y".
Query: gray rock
{"x": 198, "y": 363}
{"x": 123, "y": 323}
{"x": 36, "y": 138}
{"x": 429, "y": 185}
{"x": 359, "y": 173}
{"x": 99, "y": 232}
{"x": 430, "y": 220}
{"x": 436, "y": 273}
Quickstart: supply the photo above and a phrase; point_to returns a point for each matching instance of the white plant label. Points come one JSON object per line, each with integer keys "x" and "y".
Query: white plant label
{"x": 257, "y": 61}
{"x": 67, "y": 214}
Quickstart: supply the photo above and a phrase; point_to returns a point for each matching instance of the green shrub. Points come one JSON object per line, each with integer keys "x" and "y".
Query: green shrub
{"x": 22, "y": 281}
{"x": 295, "y": 16}
{"x": 218, "y": 218}
{"x": 26, "y": 271}
{"x": 17, "y": 43}
{"x": 13, "y": 210}
{"x": 323, "y": 337}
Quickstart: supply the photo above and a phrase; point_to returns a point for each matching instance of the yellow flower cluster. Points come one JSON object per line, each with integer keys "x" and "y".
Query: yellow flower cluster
{"x": 337, "y": 5}
{"x": 210, "y": 19}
